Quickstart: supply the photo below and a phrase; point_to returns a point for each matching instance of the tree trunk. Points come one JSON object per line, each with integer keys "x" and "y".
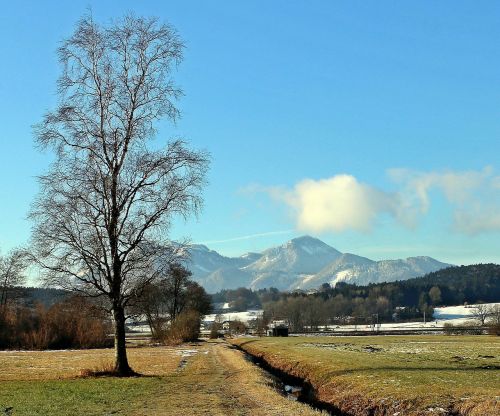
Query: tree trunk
{"x": 122, "y": 368}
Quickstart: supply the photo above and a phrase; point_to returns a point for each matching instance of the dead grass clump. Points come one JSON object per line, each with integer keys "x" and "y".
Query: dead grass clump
{"x": 103, "y": 370}
{"x": 475, "y": 408}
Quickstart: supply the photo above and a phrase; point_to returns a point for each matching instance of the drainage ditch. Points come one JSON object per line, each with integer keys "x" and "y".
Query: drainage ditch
{"x": 292, "y": 387}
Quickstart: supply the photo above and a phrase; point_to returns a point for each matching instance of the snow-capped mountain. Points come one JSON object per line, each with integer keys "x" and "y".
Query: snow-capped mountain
{"x": 204, "y": 261}
{"x": 301, "y": 263}
{"x": 362, "y": 271}
{"x": 296, "y": 259}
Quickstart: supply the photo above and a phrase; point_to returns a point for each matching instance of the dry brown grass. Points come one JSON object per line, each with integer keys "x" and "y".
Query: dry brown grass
{"x": 52, "y": 365}
{"x": 215, "y": 381}
{"x": 218, "y": 381}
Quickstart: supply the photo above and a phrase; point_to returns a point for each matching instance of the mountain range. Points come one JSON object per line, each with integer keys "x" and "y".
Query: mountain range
{"x": 302, "y": 263}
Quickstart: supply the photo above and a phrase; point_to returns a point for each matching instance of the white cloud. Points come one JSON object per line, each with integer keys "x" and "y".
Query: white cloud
{"x": 456, "y": 186}
{"x": 474, "y": 196}
{"x": 335, "y": 204}
{"x": 343, "y": 203}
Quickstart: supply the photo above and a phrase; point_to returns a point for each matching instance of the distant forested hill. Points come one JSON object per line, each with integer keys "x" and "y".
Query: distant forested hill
{"x": 458, "y": 284}
{"x": 446, "y": 287}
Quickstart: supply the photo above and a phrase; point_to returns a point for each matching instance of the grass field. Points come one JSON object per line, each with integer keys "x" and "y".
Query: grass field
{"x": 413, "y": 375}
{"x": 213, "y": 380}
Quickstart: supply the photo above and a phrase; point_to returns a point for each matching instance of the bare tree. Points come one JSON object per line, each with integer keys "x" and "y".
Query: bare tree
{"x": 12, "y": 268}
{"x": 102, "y": 216}
{"x": 481, "y": 312}
{"x": 151, "y": 305}
{"x": 163, "y": 301}
{"x": 494, "y": 313}
{"x": 176, "y": 283}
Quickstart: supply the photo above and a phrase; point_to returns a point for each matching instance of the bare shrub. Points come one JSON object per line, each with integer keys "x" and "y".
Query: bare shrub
{"x": 214, "y": 330}
{"x": 73, "y": 323}
{"x": 494, "y": 314}
{"x": 260, "y": 326}
{"x": 494, "y": 329}
{"x": 161, "y": 302}
{"x": 17, "y": 327}
{"x": 185, "y": 328}
{"x": 237, "y": 327}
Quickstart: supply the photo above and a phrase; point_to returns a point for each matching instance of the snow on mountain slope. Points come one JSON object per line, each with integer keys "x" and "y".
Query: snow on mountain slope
{"x": 226, "y": 278}
{"x": 363, "y": 271}
{"x": 250, "y": 257}
{"x": 204, "y": 261}
{"x": 301, "y": 263}
{"x": 282, "y": 266}
{"x": 300, "y": 255}
{"x": 344, "y": 268}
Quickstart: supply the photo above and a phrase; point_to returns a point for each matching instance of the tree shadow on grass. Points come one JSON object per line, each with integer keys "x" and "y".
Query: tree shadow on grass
{"x": 108, "y": 370}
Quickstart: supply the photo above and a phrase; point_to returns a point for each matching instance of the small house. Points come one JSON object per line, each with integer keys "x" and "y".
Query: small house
{"x": 277, "y": 329}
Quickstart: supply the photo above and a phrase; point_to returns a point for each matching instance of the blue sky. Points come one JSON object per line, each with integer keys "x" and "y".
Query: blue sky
{"x": 374, "y": 126}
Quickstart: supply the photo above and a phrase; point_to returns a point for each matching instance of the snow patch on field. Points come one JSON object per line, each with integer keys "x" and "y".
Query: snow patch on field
{"x": 456, "y": 315}
{"x": 187, "y": 353}
{"x": 457, "y": 312}
{"x": 236, "y": 316}
{"x": 385, "y": 327}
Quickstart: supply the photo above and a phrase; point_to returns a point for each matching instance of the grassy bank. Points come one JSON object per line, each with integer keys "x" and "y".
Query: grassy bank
{"x": 412, "y": 375}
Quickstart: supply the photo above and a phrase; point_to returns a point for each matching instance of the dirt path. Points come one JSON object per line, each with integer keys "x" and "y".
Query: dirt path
{"x": 217, "y": 380}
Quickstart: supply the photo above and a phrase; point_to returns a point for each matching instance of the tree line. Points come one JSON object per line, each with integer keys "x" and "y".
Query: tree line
{"x": 41, "y": 318}
{"x": 405, "y": 300}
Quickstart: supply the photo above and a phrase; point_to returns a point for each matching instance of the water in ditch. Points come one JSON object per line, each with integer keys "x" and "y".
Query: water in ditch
{"x": 293, "y": 388}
